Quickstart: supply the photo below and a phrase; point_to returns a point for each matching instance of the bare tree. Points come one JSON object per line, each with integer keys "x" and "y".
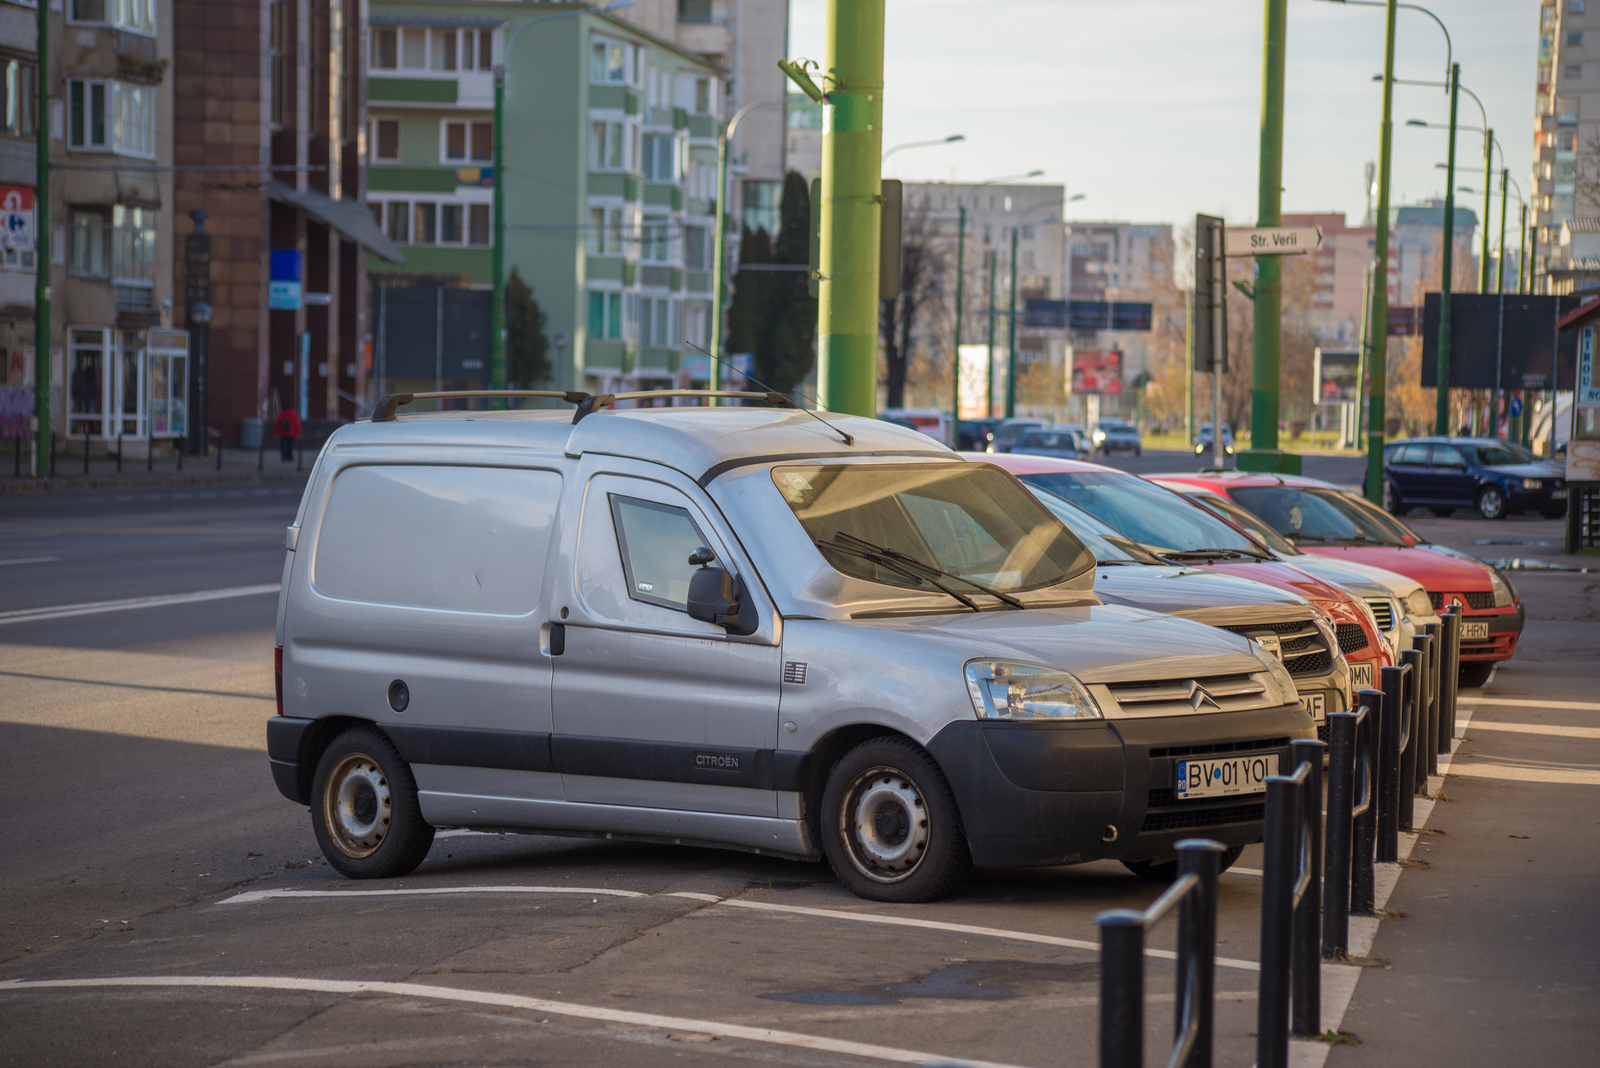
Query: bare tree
{"x": 897, "y": 318}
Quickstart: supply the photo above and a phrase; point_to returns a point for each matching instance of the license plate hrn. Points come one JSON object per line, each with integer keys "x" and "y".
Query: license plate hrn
{"x": 1361, "y": 676}
{"x": 1224, "y": 776}
{"x": 1474, "y": 632}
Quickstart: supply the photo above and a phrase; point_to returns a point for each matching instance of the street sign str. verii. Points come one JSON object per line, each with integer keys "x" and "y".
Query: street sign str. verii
{"x": 1273, "y": 240}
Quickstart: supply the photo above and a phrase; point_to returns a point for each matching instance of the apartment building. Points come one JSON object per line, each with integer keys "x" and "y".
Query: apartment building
{"x": 1566, "y": 157}
{"x": 19, "y": 71}
{"x": 1119, "y": 262}
{"x": 610, "y": 188}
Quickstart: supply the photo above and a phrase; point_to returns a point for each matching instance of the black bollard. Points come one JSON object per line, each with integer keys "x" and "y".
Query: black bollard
{"x": 1450, "y": 677}
{"x": 1306, "y": 958}
{"x": 1393, "y": 732}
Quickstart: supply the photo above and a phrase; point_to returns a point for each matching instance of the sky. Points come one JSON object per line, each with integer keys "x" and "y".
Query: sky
{"x": 1152, "y": 108}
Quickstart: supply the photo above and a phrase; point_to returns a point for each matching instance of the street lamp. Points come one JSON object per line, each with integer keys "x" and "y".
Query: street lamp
{"x": 719, "y": 250}
{"x": 961, "y": 273}
{"x": 952, "y": 139}
{"x": 497, "y": 302}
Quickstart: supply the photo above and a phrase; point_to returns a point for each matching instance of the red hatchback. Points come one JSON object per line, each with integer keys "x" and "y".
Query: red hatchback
{"x": 1183, "y": 532}
{"x": 1321, "y": 518}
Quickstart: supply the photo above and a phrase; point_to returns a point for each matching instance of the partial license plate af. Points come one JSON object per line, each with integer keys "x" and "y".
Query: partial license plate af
{"x": 1224, "y": 776}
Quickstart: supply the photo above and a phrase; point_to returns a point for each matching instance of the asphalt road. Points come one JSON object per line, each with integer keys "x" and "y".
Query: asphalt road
{"x": 142, "y": 841}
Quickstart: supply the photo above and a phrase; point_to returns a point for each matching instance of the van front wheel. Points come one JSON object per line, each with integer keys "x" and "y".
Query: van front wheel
{"x": 364, "y": 808}
{"x": 890, "y": 827}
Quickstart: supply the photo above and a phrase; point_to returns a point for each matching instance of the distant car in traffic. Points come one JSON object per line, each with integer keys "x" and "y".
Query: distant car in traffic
{"x": 1498, "y": 478}
{"x": 1049, "y": 441}
{"x": 930, "y": 421}
{"x": 1203, "y": 441}
{"x": 975, "y": 435}
{"x": 1009, "y": 430}
{"x": 1110, "y": 437}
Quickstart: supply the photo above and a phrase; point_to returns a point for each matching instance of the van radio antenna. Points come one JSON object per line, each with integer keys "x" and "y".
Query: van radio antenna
{"x": 848, "y": 440}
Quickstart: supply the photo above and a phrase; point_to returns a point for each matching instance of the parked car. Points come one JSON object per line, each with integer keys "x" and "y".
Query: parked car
{"x": 939, "y": 426}
{"x": 975, "y": 435}
{"x": 1176, "y": 530}
{"x": 1110, "y": 437}
{"x": 1498, "y": 478}
{"x": 1203, "y": 441}
{"x": 1007, "y": 431}
{"x": 744, "y": 627}
{"x": 1323, "y": 519}
{"x": 1399, "y": 605}
{"x": 1049, "y": 441}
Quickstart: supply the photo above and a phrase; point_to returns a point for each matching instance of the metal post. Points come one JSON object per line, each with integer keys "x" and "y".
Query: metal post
{"x": 1188, "y": 360}
{"x": 988, "y": 396}
{"x": 1450, "y": 676}
{"x": 1364, "y": 840}
{"x": 1269, "y": 269}
{"x": 1441, "y": 421}
{"x": 961, "y": 278}
{"x": 1364, "y": 351}
{"x": 1219, "y": 337}
{"x": 1306, "y": 958}
{"x": 852, "y": 152}
{"x": 1011, "y": 332}
{"x": 44, "y": 446}
{"x": 1121, "y": 989}
{"x": 1197, "y": 944}
{"x": 119, "y": 445}
{"x": 1483, "y": 227}
{"x": 1437, "y": 654}
{"x": 719, "y": 260}
{"x": 1391, "y": 740}
{"x": 1500, "y": 299}
{"x": 497, "y": 296}
{"x": 1379, "y": 332}
{"x": 1411, "y": 779}
{"x": 1277, "y": 919}
{"x": 1340, "y": 831}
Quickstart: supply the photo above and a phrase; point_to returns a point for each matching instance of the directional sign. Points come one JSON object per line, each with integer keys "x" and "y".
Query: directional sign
{"x": 1273, "y": 240}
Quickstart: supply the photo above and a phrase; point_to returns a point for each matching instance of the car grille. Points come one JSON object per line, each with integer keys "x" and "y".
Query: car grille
{"x": 1255, "y": 746}
{"x": 1352, "y": 638}
{"x": 1324, "y": 732}
{"x": 1173, "y": 697}
{"x": 1305, "y": 649}
{"x": 1201, "y": 816}
{"x": 1383, "y": 612}
{"x": 1477, "y": 600}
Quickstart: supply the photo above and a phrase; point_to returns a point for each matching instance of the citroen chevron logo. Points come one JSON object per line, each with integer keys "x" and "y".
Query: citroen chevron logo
{"x": 1199, "y": 696}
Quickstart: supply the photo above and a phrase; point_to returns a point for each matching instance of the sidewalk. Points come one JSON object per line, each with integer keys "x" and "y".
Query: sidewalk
{"x": 238, "y": 466}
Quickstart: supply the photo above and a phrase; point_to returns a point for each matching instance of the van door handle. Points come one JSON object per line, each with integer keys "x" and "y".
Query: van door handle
{"x": 558, "y": 638}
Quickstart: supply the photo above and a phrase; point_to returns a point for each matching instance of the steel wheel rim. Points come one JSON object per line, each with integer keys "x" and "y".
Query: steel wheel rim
{"x": 885, "y": 825}
{"x": 1491, "y": 503}
{"x": 357, "y": 806}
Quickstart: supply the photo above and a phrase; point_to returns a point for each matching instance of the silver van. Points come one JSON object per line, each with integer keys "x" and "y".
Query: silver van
{"x": 742, "y": 627}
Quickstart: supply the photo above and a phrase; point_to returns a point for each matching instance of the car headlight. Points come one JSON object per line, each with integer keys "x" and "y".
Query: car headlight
{"x": 1531, "y": 483}
{"x": 1503, "y": 595}
{"x": 1007, "y": 689}
{"x": 1418, "y": 603}
{"x": 1288, "y": 693}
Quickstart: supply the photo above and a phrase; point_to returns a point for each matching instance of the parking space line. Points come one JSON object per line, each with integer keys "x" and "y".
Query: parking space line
{"x": 89, "y": 608}
{"x": 1539, "y": 728}
{"x": 514, "y": 1001}
{"x": 31, "y": 560}
{"x": 250, "y": 897}
{"x": 1528, "y": 702}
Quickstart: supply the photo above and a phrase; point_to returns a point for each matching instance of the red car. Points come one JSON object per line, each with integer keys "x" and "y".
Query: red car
{"x": 1321, "y": 518}
{"x": 1178, "y": 530}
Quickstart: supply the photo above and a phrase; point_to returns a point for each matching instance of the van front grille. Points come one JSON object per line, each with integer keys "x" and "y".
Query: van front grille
{"x": 1383, "y": 612}
{"x": 1174, "y": 697}
{"x": 1304, "y": 646}
{"x": 1310, "y": 664}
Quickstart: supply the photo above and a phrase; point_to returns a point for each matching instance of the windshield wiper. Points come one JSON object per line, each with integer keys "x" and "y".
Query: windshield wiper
{"x": 875, "y": 557}
{"x": 912, "y": 561}
{"x": 1211, "y": 554}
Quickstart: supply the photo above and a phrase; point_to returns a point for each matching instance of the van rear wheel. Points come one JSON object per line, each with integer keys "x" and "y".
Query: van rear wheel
{"x": 1164, "y": 871}
{"x": 364, "y": 808}
{"x": 890, "y": 827}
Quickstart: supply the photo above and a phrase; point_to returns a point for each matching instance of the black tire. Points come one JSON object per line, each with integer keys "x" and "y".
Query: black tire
{"x": 1392, "y": 501}
{"x": 1553, "y": 514}
{"x": 914, "y": 848}
{"x": 1443, "y": 513}
{"x": 1164, "y": 871}
{"x": 364, "y": 808}
{"x": 1138, "y": 451}
{"x": 1475, "y": 673}
{"x": 1492, "y": 503}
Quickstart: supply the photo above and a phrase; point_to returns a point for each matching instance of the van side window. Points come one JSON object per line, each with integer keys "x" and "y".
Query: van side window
{"x": 655, "y": 541}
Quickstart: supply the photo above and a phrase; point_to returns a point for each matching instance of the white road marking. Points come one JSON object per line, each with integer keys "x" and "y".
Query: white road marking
{"x": 1539, "y": 728}
{"x": 1525, "y": 702}
{"x": 250, "y": 897}
{"x": 1245, "y": 871}
{"x": 31, "y": 560}
{"x": 89, "y": 608}
{"x": 1569, "y": 776}
{"x": 513, "y": 1001}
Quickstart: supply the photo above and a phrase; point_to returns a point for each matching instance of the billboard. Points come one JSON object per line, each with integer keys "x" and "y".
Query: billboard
{"x": 1097, "y": 371}
{"x": 1335, "y": 375}
{"x": 1513, "y": 332}
{"x": 978, "y": 368}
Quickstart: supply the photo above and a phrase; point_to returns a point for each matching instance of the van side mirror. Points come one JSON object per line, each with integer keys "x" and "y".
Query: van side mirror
{"x": 717, "y": 597}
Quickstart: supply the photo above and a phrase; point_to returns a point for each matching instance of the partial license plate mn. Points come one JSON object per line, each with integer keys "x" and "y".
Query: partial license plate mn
{"x": 1474, "y": 632}
{"x": 1361, "y": 676}
{"x": 1224, "y": 776}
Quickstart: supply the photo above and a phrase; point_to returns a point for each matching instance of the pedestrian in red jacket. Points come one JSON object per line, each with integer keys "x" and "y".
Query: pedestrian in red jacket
{"x": 287, "y": 428}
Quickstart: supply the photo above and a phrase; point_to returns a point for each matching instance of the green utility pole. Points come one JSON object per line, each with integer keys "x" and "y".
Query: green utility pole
{"x": 961, "y": 276}
{"x": 42, "y": 438}
{"x": 1263, "y": 453}
{"x": 1522, "y": 253}
{"x": 497, "y": 295}
{"x": 1188, "y": 363}
{"x": 988, "y": 393}
{"x": 1441, "y": 414}
{"x": 1011, "y": 334}
{"x": 1363, "y": 354}
{"x": 1488, "y": 180}
{"x": 1378, "y": 330}
{"x": 1500, "y": 296}
{"x": 852, "y": 153}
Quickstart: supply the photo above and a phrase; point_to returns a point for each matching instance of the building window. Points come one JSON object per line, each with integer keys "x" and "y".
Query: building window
{"x": 432, "y": 48}
{"x": 135, "y": 16}
{"x": 397, "y": 225}
{"x": 432, "y": 222}
{"x": 86, "y": 381}
{"x": 469, "y": 141}
{"x": 702, "y": 96}
{"x": 655, "y": 243}
{"x": 424, "y": 230}
{"x": 384, "y": 53}
{"x": 697, "y": 322}
{"x": 606, "y": 321}
{"x": 477, "y": 224}
{"x": 91, "y": 243}
{"x": 1574, "y": 7}
{"x": 133, "y": 251}
{"x": 110, "y": 115}
{"x": 656, "y": 322}
{"x": 1575, "y": 40}
{"x": 613, "y": 146}
{"x": 663, "y": 158}
{"x": 1572, "y": 72}
{"x": 386, "y": 140}
{"x": 613, "y": 62}
{"x": 696, "y": 256}
{"x": 605, "y": 229}
{"x": 21, "y": 110}
{"x": 450, "y": 224}
{"x": 86, "y": 114}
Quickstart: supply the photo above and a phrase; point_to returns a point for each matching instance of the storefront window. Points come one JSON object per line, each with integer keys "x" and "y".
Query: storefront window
{"x": 86, "y": 382}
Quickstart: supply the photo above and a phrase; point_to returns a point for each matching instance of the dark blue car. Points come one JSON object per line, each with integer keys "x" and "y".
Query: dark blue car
{"x": 1495, "y": 477}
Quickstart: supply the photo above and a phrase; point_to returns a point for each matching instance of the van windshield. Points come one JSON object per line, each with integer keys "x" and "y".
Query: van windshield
{"x": 971, "y": 520}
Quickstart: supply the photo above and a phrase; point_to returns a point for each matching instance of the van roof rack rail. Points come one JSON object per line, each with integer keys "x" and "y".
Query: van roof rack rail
{"x": 385, "y": 411}
{"x": 590, "y": 405}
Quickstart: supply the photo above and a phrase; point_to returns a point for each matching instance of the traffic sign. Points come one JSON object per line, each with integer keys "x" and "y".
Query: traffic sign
{"x": 1272, "y": 240}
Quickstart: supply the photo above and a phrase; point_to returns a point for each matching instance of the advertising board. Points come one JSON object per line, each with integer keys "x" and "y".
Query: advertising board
{"x": 1334, "y": 375}
{"x": 1097, "y": 371}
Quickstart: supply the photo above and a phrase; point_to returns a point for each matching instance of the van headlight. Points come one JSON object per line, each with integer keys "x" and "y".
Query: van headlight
{"x": 1418, "y": 603}
{"x": 1006, "y": 689}
{"x": 1503, "y": 597}
{"x": 1287, "y": 691}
